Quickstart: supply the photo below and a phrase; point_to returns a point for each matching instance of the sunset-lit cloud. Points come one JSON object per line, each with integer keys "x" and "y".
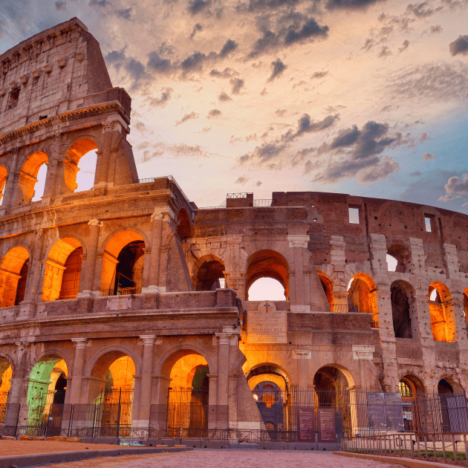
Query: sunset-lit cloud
{"x": 368, "y": 97}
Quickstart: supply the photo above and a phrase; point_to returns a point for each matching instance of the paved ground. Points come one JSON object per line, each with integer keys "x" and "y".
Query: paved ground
{"x": 230, "y": 459}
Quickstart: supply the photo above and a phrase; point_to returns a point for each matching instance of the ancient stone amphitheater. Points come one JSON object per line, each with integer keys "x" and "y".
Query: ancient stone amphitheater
{"x": 126, "y": 306}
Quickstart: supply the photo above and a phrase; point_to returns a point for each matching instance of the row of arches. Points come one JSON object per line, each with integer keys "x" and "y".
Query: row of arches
{"x": 77, "y": 173}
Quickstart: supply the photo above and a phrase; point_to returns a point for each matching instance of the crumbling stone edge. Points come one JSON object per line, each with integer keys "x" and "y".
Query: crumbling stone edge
{"x": 44, "y": 459}
{"x": 408, "y": 462}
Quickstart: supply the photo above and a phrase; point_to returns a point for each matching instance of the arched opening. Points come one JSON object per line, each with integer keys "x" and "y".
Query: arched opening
{"x": 79, "y": 166}
{"x": 13, "y": 276}
{"x": 188, "y": 394}
{"x": 3, "y": 180}
{"x": 183, "y": 225}
{"x": 409, "y": 387}
{"x": 62, "y": 270}
{"x": 266, "y": 289}
{"x": 46, "y": 393}
{"x": 331, "y": 384}
{"x": 6, "y": 373}
{"x": 327, "y": 286}
{"x": 32, "y": 178}
{"x": 442, "y": 314}
{"x": 111, "y": 388}
{"x": 402, "y": 294}
{"x": 267, "y": 264}
{"x": 122, "y": 267}
{"x": 274, "y": 397}
{"x": 445, "y": 391}
{"x": 209, "y": 274}
{"x": 398, "y": 258}
{"x": 362, "y": 297}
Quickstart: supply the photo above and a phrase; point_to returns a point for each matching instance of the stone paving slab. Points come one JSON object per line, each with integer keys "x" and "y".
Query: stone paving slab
{"x": 211, "y": 458}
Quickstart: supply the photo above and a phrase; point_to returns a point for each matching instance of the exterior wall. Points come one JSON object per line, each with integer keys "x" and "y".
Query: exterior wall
{"x": 307, "y": 234}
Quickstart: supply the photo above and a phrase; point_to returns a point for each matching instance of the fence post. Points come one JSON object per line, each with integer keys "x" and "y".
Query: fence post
{"x": 443, "y": 447}
{"x": 454, "y": 449}
{"x": 71, "y": 420}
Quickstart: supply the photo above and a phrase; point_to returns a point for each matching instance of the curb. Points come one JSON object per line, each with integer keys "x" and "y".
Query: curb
{"x": 43, "y": 459}
{"x": 408, "y": 462}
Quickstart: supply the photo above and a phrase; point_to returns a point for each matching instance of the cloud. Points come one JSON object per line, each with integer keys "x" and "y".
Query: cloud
{"x": 416, "y": 174}
{"x": 435, "y": 29}
{"x": 385, "y": 52}
{"x": 428, "y": 156}
{"x": 385, "y": 167}
{"x": 429, "y": 82}
{"x": 258, "y": 183}
{"x": 100, "y": 3}
{"x": 180, "y": 150}
{"x": 421, "y": 10}
{"x": 158, "y": 64}
{"x": 226, "y": 73}
{"x": 125, "y": 13}
{"x": 214, "y": 113}
{"x": 459, "y": 46}
{"x": 424, "y": 136}
{"x": 228, "y": 47}
{"x": 317, "y": 75}
{"x": 197, "y": 6}
{"x": 350, "y": 4}
{"x": 60, "y": 5}
{"x": 236, "y": 84}
{"x": 355, "y": 152}
{"x": 192, "y": 115}
{"x": 278, "y": 68}
{"x": 281, "y": 112}
{"x": 457, "y": 186}
{"x": 165, "y": 97}
{"x": 198, "y": 27}
{"x": 404, "y": 46}
{"x": 223, "y": 97}
{"x": 242, "y": 180}
{"x": 308, "y": 30}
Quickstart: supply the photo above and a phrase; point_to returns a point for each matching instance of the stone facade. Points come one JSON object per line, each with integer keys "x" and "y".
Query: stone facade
{"x": 344, "y": 309}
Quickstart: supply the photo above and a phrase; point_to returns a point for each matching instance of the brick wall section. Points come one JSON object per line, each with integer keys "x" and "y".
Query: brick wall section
{"x": 447, "y": 352}
{"x": 331, "y": 321}
{"x": 406, "y": 348}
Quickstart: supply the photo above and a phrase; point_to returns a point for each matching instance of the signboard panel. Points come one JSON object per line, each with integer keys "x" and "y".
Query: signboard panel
{"x": 458, "y": 413}
{"x": 267, "y": 325}
{"x": 306, "y": 424}
{"x": 376, "y": 411}
{"x": 394, "y": 408}
{"x": 326, "y": 425}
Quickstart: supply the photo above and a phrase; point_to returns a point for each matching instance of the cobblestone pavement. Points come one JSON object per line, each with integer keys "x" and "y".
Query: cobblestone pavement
{"x": 229, "y": 459}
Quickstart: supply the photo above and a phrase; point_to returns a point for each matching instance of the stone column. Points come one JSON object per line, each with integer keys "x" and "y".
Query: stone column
{"x": 33, "y": 283}
{"x": 78, "y": 365}
{"x": 212, "y": 398}
{"x": 154, "y": 258}
{"x": 89, "y": 268}
{"x": 104, "y": 156}
{"x": 9, "y": 191}
{"x": 14, "y": 398}
{"x": 146, "y": 379}
{"x": 224, "y": 343}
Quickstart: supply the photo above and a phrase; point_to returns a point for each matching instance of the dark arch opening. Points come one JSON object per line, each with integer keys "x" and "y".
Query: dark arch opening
{"x": 401, "y": 309}
{"x": 209, "y": 275}
{"x": 401, "y": 254}
{"x": 71, "y": 275}
{"x": 129, "y": 271}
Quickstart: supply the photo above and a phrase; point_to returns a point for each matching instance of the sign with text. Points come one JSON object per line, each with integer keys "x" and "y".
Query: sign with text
{"x": 306, "y": 424}
{"x": 267, "y": 325}
{"x": 326, "y": 425}
{"x": 385, "y": 411}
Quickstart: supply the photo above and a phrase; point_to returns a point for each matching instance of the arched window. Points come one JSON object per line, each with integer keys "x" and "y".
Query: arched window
{"x": 392, "y": 263}
{"x": 32, "y": 178}
{"x": 362, "y": 296}
{"x": 63, "y": 270}
{"x": 3, "y": 180}
{"x": 209, "y": 274}
{"x": 266, "y": 289}
{"x": 327, "y": 286}
{"x": 80, "y": 166}
{"x": 442, "y": 314}
{"x": 13, "y": 276}
{"x": 267, "y": 264}
{"x": 402, "y": 308}
{"x": 122, "y": 264}
{"x": 398, "y": 258}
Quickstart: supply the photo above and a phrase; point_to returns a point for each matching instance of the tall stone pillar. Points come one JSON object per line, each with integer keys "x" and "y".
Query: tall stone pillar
{"x": 109, "y": 132}
{"x": 146, "y": 379}
{"x": 89, "y": 268}
{"x": 212, "y": 399}
{"x": 224, "y": 343}
{"x": 33, "y": 283}
{"x": 11, "y": 184}
{"x": 78, "y": 365}
{"x": 152, "y": 264}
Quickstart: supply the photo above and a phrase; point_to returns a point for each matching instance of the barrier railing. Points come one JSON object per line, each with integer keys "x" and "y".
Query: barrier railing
{"x": 436, "y": 446}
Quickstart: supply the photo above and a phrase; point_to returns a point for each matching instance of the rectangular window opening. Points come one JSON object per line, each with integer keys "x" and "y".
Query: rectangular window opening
{"x": 13, "y": 98}
{"x": 428, "y": 223}
{"x": 353, "y": 215}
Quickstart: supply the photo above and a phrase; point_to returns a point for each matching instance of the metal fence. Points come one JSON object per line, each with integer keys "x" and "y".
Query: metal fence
{"x": 429, "y": 446}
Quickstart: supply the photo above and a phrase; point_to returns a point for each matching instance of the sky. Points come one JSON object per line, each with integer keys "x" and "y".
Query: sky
{"x": 366, "y": 97}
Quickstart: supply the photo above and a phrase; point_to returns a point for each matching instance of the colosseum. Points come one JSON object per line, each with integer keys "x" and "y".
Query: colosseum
{"x": 125, "y": 308}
